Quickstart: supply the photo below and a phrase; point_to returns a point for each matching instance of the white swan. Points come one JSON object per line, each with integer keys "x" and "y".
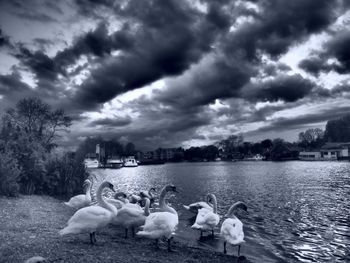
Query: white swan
{"x": 198, "y": 205}
{"x": 91, "y": 218}
{"x": 207, "y": 219}
{"x": 131, "y": 216}
{"x": 232, "y": 228}
{"x": 83, "y": 200}
{"x": 161, "y": 224}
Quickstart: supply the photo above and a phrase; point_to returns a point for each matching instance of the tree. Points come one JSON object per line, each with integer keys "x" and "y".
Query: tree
{"x": 338, "y": 130}
{"x": 29, "y": 132}
{"x": 311, "y": 138}
{"x": 129, "y": 149}
{"x": 36, "y": 120}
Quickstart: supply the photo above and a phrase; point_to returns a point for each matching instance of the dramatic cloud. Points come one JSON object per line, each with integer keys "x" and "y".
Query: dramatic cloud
{"x": 171, "y": 73}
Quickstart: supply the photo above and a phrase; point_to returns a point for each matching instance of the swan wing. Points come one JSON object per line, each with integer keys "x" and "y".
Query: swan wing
{"x": 77, "y": 201}
{"x": 232, "y": 231}
{"x": 87, "y": 219}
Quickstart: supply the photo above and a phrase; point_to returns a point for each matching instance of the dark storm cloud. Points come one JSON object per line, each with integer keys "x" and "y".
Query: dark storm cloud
{"x": 112, "y": 122}
{"x": 305, "y": 120}
{"x": 39, "y": 63}
{"x": 96, "y": 42}
{"x": 280, "y": 24}
{"x": 4, "y": 40}
{"x": 336, "y": 48}
{"x": 167, "y": 41}
{"x": 283, "y": 87}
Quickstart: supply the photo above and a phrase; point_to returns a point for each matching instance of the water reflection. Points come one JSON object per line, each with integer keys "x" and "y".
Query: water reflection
{"x": 298, "y": 211}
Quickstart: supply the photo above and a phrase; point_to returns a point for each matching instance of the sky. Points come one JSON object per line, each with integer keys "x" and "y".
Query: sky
{"x": 170, "y": 73}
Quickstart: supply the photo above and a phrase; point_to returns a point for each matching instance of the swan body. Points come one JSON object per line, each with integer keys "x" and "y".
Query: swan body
{"x": 207, "y": 219}
{"x": 82, "y": 200}
{"x": 131, "y": 216}
{"x": 161, "y": 224}
{"x": 195, "y": 207}
{"x": 90, "y": 219}
{"x": 232, "y": 228}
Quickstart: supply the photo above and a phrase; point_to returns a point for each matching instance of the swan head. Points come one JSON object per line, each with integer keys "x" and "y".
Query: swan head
{"x": 108, "y": 185}
{"x": 171, "y": 188}
{"x": 236, "y": 205}
{"x": 120, "y": 195}
{"x": 86, "y": 183}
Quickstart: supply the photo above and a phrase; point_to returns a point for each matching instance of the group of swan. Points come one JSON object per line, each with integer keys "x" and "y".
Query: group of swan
{"x": 89, "y": 219}
{"x": 126, "y": 212}
{"x": 207, "y": 219}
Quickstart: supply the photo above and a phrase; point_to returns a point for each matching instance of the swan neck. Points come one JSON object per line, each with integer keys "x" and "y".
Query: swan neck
{"x": 215, "y": 207}
{"x": 148, "y": 202}
{"x": 162, "y": 203}
{"x": 88, "y": 191}
{"x": 232, "y": 209}
{"x": 101, "y": 200}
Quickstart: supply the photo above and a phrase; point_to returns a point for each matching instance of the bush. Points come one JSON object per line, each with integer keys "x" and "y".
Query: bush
{"x": 65, "y": 176}
{"x": 9, "y": 175}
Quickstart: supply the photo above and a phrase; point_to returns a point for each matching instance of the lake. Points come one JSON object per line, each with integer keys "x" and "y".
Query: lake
{"x": 297, "y": 211}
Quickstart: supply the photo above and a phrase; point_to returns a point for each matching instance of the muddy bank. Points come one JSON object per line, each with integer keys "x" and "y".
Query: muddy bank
{"x": 29, "y": 226}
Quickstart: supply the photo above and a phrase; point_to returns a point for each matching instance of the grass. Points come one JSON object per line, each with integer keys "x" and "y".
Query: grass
{"x": 29, "y": 227}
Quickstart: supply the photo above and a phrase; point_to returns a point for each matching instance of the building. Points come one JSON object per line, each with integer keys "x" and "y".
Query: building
{"x": 310, "y": 156}
{"x": 335, "y": 151}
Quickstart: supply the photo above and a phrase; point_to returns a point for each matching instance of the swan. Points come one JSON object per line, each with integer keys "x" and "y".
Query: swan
{"x": 80, "y": 201}
{"x": 198, "y": 205}
{"x": 150, "y": 194}
{"x": 232, "y": 228}
{"x": 130, "y": 216}
{"x": 161, "y": 224}
{"x": 206, "y": 218}
{"x": 91, "y": 218}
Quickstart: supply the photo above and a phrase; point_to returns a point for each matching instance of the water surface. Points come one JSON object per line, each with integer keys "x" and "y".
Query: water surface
{"x": 298, "y": 211}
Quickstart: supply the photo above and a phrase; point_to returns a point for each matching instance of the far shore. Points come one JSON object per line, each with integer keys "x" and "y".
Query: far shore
{"x": 29, "y": 227}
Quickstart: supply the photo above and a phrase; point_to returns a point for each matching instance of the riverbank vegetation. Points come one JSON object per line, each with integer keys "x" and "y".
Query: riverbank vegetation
{"x": 29, "y": 163}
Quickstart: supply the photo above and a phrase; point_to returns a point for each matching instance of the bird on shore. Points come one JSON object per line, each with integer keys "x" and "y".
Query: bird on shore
{"x": 92, "y": 218}
{"x": 232, "y": 228}
{"x": 207, "y": 219}
{"x": 161, "y": 224}
{"x": 131, "y": 216}
{"x": 35, "y": 259}
{"x": 82, "y": 200}
{"x": 198, "y": 205}
{"x": 150, "y": 194}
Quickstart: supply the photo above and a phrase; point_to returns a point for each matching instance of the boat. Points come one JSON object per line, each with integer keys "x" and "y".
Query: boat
{"x": 130, "y": 162}
{"x": 257, "y": 157}
{"x": 91, "y": 163}
{"x": 114, "y": 163}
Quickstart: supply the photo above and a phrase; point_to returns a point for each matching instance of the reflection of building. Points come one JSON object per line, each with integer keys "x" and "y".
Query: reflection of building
{"x": 163, "y": 154}
{"x": 335, "y": 151}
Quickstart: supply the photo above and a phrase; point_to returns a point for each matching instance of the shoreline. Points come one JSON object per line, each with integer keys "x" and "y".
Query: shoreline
{"x": 29, "y": 227}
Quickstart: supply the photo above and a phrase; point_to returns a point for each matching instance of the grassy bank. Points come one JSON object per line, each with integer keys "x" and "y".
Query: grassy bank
{"x": 29, "y": 226}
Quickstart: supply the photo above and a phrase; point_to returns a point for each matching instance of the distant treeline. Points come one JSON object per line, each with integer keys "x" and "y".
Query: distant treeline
{"x": 29, "y": 163}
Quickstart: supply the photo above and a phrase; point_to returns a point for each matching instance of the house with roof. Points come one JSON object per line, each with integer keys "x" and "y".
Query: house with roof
{"x": 335, "y": 151}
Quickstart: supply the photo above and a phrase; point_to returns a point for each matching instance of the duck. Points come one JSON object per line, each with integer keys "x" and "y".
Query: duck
{"x": 198, "y": 205}
{"x": 207, "y": 219}
{"x": 232, "y": 228}
{"x": 161, "y": 224}
{"x": 92, "y": 218}
{"x": 82, "y": 200}
{"x": 131, "y": 216}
